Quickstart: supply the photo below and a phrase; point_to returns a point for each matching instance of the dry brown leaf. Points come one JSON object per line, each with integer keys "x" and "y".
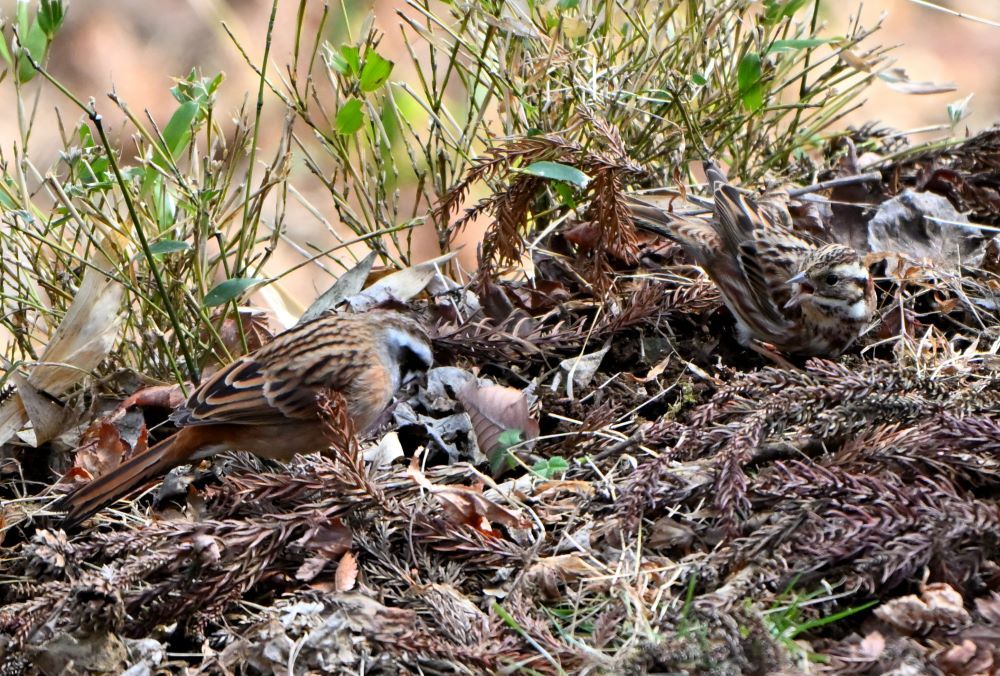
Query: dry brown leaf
{"x": 347, "y": 573}
{"x": 939, "y": 606}
{"x": 467, "y": 506}
{"x": 84, "y": 336}
{"x": 158, "y": 396}
{"x": 102, "y": 448}
{"x": 989, "y": 608}
{"x": 565, "y": 568}
{"x": 399, "y": 286}
{"x": 582, "y": 369}
{"x": 386, "y": 452}
{"x": 585, "y": 488}
{"x": 348, "y": 284}
{"x": 967, "y": 659}
{"x": 48, "y": 419}
{"x": 256, "y": 327}
{"x": 330, "y": 540}
{"x": 495, "y": 409}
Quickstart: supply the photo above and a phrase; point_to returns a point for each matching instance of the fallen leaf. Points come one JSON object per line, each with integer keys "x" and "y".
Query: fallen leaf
{"x": 989, "y": 608}
{"x": 467, "y": 506}
{"x": 330, "y": 539}
{"x": 923, "y": 225}
{"x": 399, "y": 286}
{"x": 83, "y": 339}
{"x": 583, "y": 368}
{"x": 102, "y": 447}
{"x": 158, "y": 396}
{"x": 48, "y": 419}
{"x": 967, "y": 659}
{"x": 494, "y": 410}
{"x": 310, "y": 568}
{"x": 938, "y": 605}
{"x": 256, "y": 329}
{"x": 388, "y": 449}
{"x": 347, "y": 573}
{"x": 348, "y": 284}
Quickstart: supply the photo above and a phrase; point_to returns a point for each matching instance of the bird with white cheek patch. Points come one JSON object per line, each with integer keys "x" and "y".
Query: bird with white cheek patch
{"x": 268, "y": 402}
{"x": 786, "y": 293}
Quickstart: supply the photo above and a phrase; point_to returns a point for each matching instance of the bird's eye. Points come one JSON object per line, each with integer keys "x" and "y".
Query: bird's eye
{"x": 832, "y": 279}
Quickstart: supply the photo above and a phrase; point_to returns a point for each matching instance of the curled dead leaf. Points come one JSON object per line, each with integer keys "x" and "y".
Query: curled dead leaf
{"x": 158, "y": 396}
{"x": 938, "y": 606}
{"x": 84, "y": 337}
{"x": 103, "y": 447}
{"x": 496, "y": 410}
{"x": 48, "y": 418}
{"x": 399, "y": 286}
{"x": 467, "y": 506}
{"x": 256, "y": 328}
{"x": 330, "y": 539}
{"x": 582, "y": 369}
{"x": 347, "y": 573}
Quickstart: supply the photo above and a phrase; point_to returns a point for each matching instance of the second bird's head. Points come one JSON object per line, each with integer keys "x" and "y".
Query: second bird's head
{"x": 833, "y": 281}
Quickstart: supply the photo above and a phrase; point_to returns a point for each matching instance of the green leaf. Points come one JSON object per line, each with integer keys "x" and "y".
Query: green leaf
{"x": 375, "y": 72}
{"x": 568, "y": 4}
{"x": 501, "y": 459}
{"x": 231, "y": 289}
{"x": 3, "y": 50}
{"x": 776, "y": 10}
{"x": 167, "y": 246}
{"x": 793, "y": 45}
{"x": 565, "y": 194}
{"x": 748, "y": 77}
{"x": 510, "y": 437}
{"x": 5, "y": 201}
{"x": 347, "y": 61}
{"x": 557, "y": 172}
{"x": 201, "y": 90}
{"x": 177, "y": 133}
{"x": 35, "y": 42}
{"x": 50, "y": 17}
{"x": 699, "y": 79}
{"x": 350, "y": 117}
{"x": 550, "y": 467}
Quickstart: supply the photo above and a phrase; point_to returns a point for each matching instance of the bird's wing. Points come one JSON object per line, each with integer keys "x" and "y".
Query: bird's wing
{"x": 698, "y": 237}
{"x": 767, "y": 254}
{"x": 279, "y": 382}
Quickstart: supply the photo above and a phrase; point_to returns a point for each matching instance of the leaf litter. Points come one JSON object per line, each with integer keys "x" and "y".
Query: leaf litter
{"x": 682, "y": 506}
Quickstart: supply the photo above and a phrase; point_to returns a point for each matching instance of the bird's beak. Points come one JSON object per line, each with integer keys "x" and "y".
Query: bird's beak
{"x": 796, "y": 279}
{"x": 796, "y": 298}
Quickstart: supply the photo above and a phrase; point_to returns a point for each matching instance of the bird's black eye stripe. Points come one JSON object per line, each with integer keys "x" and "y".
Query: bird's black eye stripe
{"x": 832, "y": 278}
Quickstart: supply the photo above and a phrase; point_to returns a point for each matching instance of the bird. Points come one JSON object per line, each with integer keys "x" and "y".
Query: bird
{"x": 787, "y": 294}
{"x": 267, "y": 402}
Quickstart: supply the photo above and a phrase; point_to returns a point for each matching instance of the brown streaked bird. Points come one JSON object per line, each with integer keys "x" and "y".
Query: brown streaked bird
{"x": 785, "y": 292}
{"x": 266, "y": 402}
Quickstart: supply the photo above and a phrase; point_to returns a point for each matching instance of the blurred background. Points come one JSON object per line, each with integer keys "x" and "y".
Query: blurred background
{"x": 110, "y": 45}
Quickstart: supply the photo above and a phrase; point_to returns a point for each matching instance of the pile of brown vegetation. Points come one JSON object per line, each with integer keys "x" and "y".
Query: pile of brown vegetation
{"x": 596, "y": 476}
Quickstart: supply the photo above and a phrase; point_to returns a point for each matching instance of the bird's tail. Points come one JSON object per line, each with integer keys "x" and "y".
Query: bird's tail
{"x": 91, "y": 497}
{"x": 652, "y": 218}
